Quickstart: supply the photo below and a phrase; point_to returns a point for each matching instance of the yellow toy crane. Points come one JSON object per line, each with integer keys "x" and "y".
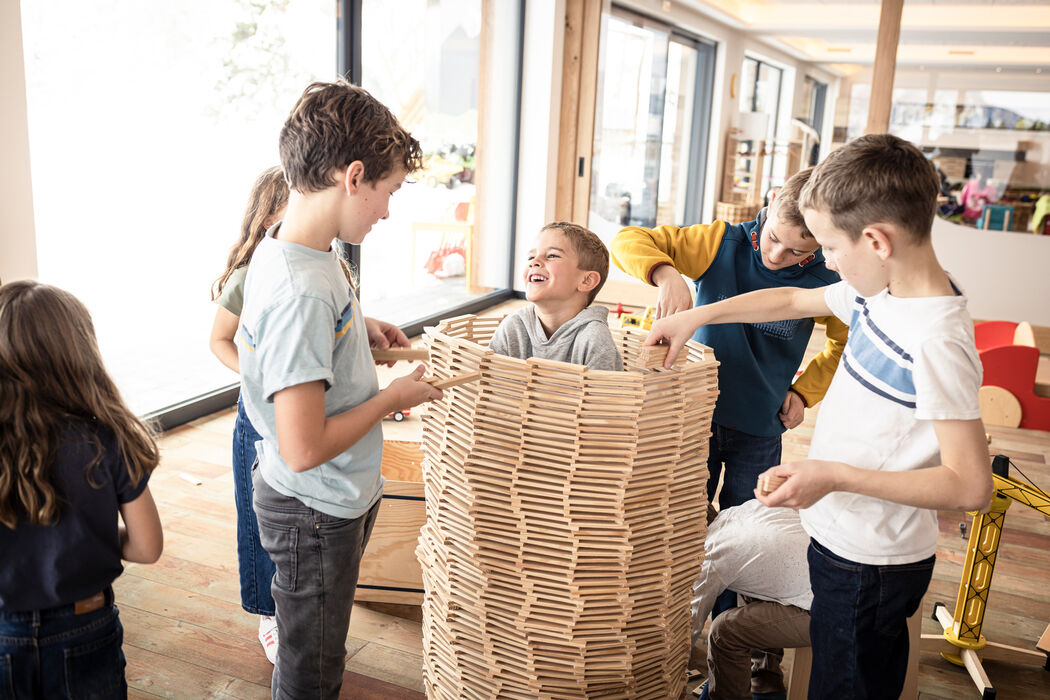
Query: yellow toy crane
{"x": 643, "y": 321}
{"x": 962, "y": 630}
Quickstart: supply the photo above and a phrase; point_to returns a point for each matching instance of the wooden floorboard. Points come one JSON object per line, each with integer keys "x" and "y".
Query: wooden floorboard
{"x": 186, "y": 635}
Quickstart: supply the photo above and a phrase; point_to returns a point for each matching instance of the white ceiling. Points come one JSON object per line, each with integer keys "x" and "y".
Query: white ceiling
{"x": 1012, "y": 34}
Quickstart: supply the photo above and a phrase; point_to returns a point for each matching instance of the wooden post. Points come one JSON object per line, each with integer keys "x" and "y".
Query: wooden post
{"x": 579, "y": 88}
{"x": 885, "y": 65}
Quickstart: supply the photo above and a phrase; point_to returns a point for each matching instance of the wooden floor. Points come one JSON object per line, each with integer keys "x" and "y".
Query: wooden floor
{"x": 186, "y": 635}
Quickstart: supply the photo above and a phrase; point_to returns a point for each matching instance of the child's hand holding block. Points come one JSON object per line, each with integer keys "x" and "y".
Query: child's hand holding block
{"x": 465, "y": 378}
{"x": 650, "y": 357}
{"x": 769, "y": 484}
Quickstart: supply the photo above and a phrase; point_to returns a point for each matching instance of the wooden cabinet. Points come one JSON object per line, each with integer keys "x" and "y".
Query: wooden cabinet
{"x": 742, "y": 171}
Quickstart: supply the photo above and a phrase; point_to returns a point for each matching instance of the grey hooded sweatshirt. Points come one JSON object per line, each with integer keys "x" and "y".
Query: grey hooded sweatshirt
{"x": 584, "y": 339}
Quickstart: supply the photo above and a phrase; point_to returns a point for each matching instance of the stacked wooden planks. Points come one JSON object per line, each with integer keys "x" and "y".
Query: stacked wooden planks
{"x": 565, "y": 520}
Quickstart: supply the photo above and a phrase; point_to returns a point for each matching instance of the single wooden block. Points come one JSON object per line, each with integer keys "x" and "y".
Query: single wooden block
{"x": 395, "y": 354}
{"x": 999, "y": 406}
{"x": 769, "y": 484}
{"x": 465, "y": 378}
{"x": 1044, "y": 642}
{"x": 651, "y": 357}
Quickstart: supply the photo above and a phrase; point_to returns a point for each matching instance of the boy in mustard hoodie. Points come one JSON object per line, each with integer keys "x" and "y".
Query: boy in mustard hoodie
{"x": 757, "y": 400}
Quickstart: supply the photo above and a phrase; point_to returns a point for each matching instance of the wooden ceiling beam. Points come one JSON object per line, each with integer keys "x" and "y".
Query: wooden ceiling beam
{"x": 885, "y": 66}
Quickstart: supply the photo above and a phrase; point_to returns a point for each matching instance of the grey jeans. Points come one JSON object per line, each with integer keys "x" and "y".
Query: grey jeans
{"x": 317, "y": 557}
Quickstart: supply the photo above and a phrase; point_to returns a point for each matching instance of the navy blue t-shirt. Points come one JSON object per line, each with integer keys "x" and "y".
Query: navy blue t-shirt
{"x": 78, "y": 556}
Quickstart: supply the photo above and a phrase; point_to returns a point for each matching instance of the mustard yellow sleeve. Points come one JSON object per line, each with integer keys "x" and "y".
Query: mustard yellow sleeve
{"x": 816, "y": 378}
{"x": 690, "y": 249}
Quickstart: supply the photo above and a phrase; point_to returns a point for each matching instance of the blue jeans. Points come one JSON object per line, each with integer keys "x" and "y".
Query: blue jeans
{"x": 859, "y": 624}
{"x": 55, "y": 653}
{"x": 317, "y": 557}
{"x": 255, "y": 566}
{"x": 744, "y": 457}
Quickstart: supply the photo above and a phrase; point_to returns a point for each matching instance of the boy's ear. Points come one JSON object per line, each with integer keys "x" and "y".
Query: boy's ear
{"x": 353, "y": 176}
{"x": 879, "y": 237}
{"x": 590, "y": 280}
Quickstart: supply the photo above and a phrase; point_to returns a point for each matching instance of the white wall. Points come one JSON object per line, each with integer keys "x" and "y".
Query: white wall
{"x": 1004, "y": 275}
{"x": 17, "y": 233}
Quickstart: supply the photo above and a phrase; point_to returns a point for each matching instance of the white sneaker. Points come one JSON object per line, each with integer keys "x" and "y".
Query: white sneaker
{"x": 268, "y": 637}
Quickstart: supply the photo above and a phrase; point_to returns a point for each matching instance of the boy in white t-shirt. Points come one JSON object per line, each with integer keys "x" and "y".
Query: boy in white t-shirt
{"x": 899, "y": 435}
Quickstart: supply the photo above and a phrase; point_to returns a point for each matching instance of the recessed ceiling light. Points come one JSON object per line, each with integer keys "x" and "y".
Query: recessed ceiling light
{"x": 838, "y": 49}
{"x": 959, "y": 52}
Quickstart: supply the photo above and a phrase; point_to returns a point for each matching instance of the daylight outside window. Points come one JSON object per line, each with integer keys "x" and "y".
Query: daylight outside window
{"x": 148, "y": 123}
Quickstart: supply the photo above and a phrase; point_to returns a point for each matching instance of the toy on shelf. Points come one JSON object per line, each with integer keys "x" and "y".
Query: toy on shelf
{"x": 1009, "y": 394}
{"x": 398, "y": 416}
{"x": 643, "y": 321}
{"x": 999, "y": 217}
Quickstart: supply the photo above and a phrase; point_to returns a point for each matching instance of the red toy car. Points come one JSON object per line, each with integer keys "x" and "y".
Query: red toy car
{"x": 399, "y": 416}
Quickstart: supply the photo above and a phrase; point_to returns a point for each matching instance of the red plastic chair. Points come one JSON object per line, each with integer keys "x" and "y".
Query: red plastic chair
{"x": 1012, "y": 367}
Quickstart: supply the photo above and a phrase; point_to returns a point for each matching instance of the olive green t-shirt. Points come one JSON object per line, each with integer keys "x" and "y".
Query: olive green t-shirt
{"x": 232, "y": 296}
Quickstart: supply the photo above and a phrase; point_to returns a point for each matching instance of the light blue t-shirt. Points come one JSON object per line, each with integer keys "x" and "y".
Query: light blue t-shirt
{"x": 301, "y": 323}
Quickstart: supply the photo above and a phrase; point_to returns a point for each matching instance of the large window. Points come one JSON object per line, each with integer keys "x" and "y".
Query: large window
{"x": 148, "y": 122}
{"x": 651, "y": 126}
{"x": 451, "y": 73}
{"x": 811, "y": 113}
{"x": 760, "y": 92}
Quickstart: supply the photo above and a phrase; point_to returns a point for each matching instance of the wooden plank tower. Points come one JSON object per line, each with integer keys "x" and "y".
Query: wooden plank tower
{"x": 565, "y": 521}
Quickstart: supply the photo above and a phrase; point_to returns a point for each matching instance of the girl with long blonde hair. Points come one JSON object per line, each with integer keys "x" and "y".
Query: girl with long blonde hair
{"x": 72, "y": 456}
{"x": 266, "y": 204}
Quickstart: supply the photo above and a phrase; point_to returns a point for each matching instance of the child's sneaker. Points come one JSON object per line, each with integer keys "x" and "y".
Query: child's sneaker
{"x": 268, "y": 637}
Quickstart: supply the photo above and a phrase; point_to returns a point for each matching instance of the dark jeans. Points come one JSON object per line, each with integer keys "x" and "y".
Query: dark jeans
{"x": 255, "y": 566}
{"x": 859, "y": 624}
{"x": 744, "y": 457}
{"x": 317, "y": 558}
{"x": 56, "y": 653}
{"x": 737, "y": 459}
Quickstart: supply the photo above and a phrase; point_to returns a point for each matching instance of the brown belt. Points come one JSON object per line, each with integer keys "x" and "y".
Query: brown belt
{"x": 90, "y": 604}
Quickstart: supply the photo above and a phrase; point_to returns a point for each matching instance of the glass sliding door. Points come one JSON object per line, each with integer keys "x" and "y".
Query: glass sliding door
{"x": 760, "y": 92}
{"x": 651, "y": 126}
{"x": 448, "y": 239}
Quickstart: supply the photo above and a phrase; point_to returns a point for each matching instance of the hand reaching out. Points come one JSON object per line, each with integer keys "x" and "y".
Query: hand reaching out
{"x": 385, "y": 335}
{"x": 673, "y": 331}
